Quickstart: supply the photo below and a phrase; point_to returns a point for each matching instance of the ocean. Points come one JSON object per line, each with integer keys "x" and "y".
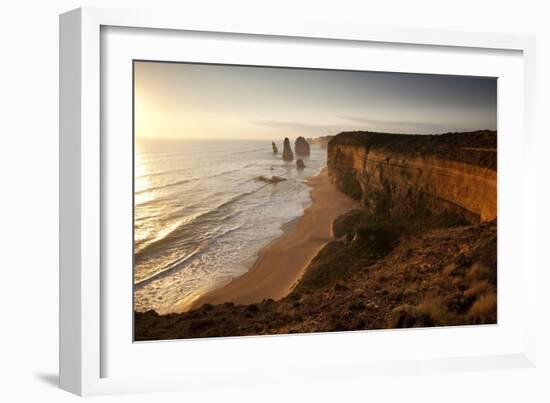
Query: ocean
{"x": 201, "y": 216}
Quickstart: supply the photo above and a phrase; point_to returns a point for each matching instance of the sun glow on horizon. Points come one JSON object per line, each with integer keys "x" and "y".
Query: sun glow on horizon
{"x": 196, "y": 101}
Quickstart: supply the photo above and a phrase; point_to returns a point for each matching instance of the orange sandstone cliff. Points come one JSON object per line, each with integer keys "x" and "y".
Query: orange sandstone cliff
{"x": 453, "y": 172}
{"x": 422, "y": 252}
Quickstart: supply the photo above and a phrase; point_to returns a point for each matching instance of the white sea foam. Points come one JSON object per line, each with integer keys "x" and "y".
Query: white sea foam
{"x": 195, "y": 235}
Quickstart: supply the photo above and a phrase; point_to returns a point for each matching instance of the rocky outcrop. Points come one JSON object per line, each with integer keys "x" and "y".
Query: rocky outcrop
{"x": 300, "y": 164}
{"x": 273, "y": 179}
{"x": 400, "y": 174}
{"x": 417, "y": 266}
{"x": 274, "y": 146}
{"x": 301, "y": 146}
{"x": 288, "y": 155}
{"x": 387, "y": 275}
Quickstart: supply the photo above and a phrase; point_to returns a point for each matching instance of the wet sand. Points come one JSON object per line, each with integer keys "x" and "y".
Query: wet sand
{"x": 281, "y": 264}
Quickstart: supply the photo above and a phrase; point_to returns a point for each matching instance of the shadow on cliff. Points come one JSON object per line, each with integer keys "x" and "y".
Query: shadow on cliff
{"x": 422, "y": 252}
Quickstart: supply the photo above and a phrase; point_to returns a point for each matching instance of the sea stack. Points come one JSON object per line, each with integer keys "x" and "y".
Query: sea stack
{"x": 288, "y": 155}
{"x": 301, "y": 146}
{"x": 274, "y": 146}
{"x": 300, "y": 164}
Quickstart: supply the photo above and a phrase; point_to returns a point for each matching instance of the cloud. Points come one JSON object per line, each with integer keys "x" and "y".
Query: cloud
{"x": 316, "y": 129}
{"x": 395, "y": 126}
{"x": 356, "y": 123}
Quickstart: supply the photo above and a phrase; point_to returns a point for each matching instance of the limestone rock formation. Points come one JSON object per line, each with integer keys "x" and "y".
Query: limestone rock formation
{"x": 452, "y": 173}
{"x": 288, "y": 155}
{"x": 300, "y": 164}
{"x": 274, "y": 146}
{"x": 273, "y": 179}
{"x": 301, "y": 146}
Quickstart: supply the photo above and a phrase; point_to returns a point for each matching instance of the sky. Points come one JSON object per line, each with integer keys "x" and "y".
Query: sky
{"x": 182, "y": 100}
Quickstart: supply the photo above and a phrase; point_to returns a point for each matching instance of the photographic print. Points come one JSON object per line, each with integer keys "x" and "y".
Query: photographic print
{"x": 273, "y": 200}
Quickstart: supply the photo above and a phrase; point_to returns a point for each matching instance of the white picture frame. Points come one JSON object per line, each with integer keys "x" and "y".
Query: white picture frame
{"x": 86, "y": 345}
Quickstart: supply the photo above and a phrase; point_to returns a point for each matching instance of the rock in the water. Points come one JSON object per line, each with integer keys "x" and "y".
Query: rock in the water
{"x": 301, "y": 146}
{"x": 274, "y": 146}
{"x": 300, "y": 164}
{"x": 288, "y": 155}
{"x": 273, "y": 179}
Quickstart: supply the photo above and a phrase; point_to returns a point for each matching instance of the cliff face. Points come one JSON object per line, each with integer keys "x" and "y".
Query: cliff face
{"x": 404, "y": 269}
{"x": 454, "y": 172}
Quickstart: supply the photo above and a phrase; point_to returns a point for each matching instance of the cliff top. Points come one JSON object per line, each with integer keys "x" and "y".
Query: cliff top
{"x": 477, "y": 148}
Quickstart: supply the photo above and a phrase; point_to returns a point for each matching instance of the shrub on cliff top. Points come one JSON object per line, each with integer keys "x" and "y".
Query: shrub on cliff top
{"x": 410, "y": 316}
{"x": 484, "y": 310}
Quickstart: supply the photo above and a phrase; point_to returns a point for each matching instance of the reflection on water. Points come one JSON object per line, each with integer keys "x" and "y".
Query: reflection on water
{"x": 200, "y": 215}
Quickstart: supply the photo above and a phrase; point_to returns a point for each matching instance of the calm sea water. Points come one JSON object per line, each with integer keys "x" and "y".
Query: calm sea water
{"x": 201, "y": 216}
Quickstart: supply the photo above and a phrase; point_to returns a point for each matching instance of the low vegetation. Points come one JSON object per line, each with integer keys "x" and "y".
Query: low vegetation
{"x": 379, "y": 272}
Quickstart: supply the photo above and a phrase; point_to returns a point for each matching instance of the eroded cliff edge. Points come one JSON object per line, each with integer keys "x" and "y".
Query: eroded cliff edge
{"x": 453, "y": 172}
{"x": 423, "y": 251}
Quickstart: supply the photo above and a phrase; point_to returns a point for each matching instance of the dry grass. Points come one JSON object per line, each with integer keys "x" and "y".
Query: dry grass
{"x": 476, "y": 289}
{"x": 442, "y": 277}
{"x": 436, "y": 308}
{"x": 409, "y": 316}
{"x": 479, "y": 272}
{"x": 411, "y": 290}
{"x": 431, "y": 312}
{"x": 484, "y": 310}
{"x": 449, "y": 270}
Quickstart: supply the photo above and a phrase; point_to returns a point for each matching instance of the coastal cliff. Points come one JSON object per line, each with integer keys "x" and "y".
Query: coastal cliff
{"x": 453, "y": 173}
{"x": 420, "y": 252}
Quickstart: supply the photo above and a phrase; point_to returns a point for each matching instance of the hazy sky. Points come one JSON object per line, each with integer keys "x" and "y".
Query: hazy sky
{"x": 214, "y": 101}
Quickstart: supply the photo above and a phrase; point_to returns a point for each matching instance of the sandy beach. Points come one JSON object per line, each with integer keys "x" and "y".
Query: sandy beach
{"x": 281, "y": 264}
